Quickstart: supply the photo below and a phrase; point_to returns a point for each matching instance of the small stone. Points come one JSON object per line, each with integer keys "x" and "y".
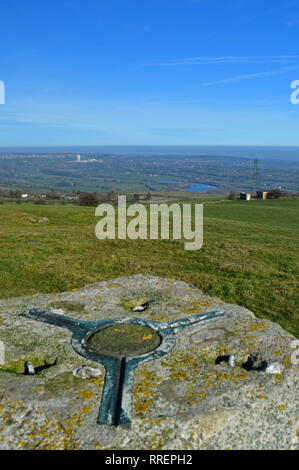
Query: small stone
{"x": 58, "y": 311}
{"x": 139, "y": 308}
{"x": 86, "y": 372}
{"x": 231, "y": 360}
{"x": 29, "y": 368}
{"x": 274, "y": 368}
{"x": 43, "y": 220}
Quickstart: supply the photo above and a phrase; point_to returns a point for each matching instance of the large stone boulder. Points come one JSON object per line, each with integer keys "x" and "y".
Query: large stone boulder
{"x": 229, "y": 383}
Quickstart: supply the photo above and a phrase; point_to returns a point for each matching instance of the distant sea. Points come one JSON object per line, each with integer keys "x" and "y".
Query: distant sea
{"x": 262, "y": 153}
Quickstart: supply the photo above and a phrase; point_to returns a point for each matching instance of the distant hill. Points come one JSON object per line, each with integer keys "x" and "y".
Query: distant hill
{"x": 262, "y": 152}
{"x": 136, "y": 172}
{"x": 249, "y": 257}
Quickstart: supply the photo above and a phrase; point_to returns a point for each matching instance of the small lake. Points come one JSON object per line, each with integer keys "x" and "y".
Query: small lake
{"x": 193, "y": 188}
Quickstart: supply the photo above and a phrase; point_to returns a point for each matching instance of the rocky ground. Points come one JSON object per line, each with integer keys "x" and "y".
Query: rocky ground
{"x": 214, "y": 390}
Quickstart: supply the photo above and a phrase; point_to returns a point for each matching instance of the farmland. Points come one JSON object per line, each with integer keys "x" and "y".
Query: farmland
{"x": 249, "y": 256}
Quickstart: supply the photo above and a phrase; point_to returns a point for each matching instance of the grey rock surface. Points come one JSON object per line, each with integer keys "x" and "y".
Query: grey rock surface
{"x": 188, "y": 399}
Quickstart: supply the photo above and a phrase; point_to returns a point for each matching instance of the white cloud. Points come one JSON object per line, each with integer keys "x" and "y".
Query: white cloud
{"x": 250, "y": 76}
{"x": 225, "y": 60}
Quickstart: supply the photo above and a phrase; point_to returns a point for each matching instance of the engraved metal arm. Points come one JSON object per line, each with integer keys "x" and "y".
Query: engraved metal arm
{"x": 61, "y": 320}
{"x": 117, "y": 394}
{"x": 182, "y": 323}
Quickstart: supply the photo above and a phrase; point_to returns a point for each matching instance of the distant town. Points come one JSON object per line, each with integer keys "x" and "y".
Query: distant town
{"x": 68, "y": 174}
{"x": 88, "y": 160}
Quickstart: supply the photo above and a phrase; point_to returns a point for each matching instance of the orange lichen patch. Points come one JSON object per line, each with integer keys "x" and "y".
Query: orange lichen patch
{"x": 98, "y": 446}
{"x": 45, "y": 436}
{"x": 258, "y": 326}
{"x": 145, "y": 391}
{"x": 145, "y": 337}
{"x": 223, "y": 351}
{"x": 159, "y": 317}
{"x": 86, "y": 409}
{"x": 278, "y": 352}
{"x": 51, "y": 432}
{"x": 278, "y": 379}
{"x": 157, "y": 445}
{"x": 287, "y": 361}
{"x": 180, "y": 359}
{"x": 201, "y": 395}
{"x": 188, "y": 446}
{"x": 163, "y": 438}
{"x": 282, "y": 407}
{"x": 143, "y": 407}
{"x": 181, "y": 375}
{"x": 240, "y": 374}
{"x": 97, "y": 381}
{"x": 215, "y": 378}
{"x": 86, "y": 395}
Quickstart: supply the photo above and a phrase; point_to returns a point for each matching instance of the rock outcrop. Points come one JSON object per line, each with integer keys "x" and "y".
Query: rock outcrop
{"x": 212, "y": 391}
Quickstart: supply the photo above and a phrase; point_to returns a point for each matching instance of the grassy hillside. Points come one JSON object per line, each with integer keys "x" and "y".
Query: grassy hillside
{"x": 250, "y": 254}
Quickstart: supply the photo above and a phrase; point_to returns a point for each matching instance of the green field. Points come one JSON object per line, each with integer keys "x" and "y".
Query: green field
{"x": 249, "y": 257}
{"x": 36, "y": 173}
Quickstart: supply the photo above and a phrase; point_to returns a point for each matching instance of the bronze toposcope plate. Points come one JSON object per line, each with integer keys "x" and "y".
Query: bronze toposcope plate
{"x": 120, "y": 345}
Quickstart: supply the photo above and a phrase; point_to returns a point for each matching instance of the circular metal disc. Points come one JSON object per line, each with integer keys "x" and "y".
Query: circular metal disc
{"x": 124, "y": 340}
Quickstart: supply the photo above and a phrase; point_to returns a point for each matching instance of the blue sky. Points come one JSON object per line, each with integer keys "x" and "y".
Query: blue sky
{"x": 173, "y": 72}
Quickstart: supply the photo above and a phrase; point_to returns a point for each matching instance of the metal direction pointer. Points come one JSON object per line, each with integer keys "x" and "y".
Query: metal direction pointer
{"x": 120, "y": 345}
